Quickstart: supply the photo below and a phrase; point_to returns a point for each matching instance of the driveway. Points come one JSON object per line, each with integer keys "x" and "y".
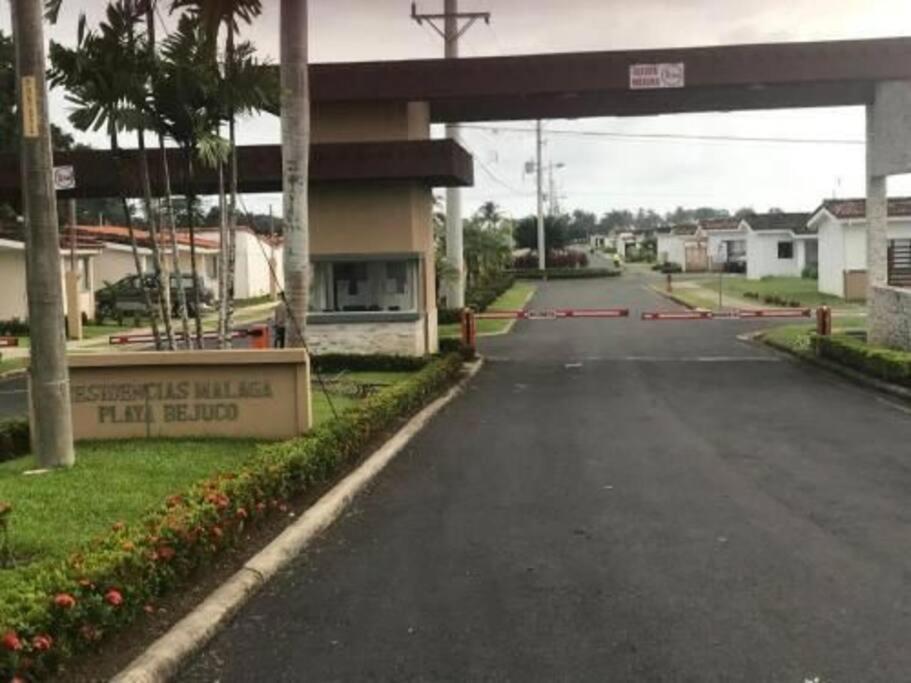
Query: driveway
{"x": 611, "y": 501}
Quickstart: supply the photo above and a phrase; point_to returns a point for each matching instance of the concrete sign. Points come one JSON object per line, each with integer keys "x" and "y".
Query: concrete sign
{"x": 656, "y": 76}
{"x": 64, "y": 178}
{"x": 254, "y": 394}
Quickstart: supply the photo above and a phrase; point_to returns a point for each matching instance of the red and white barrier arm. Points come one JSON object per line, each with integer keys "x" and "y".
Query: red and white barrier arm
{"x": 122, "y": 339}
{"x": 742, "y": 314}
{"x": 678, "y": 315}
{"x": 8, "y": 342}
{"x": 553, "y": 314}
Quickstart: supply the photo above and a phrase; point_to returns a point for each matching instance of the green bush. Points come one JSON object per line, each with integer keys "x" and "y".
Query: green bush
{"x": 52, "y": 610}
{"x": 888, "y": 364}
{"x": 337, "y": 362}
{"x": 450, "y": 345}
{"x": 449, "y": 316}
{"x": 567, "y": 273}
{"x": 13, "y": 328}
{"x": 810, "y": 273}
{"x": 668, "y": 267}
{"x": 483, "y": 293}
{"x": 14, "y": 439}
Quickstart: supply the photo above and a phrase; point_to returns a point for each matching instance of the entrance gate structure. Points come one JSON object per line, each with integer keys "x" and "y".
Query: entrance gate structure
{"x": 375, "y": 165}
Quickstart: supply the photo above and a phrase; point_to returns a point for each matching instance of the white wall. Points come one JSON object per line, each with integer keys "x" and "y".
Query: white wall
{"x": 115, "y": 263}
{"x": 671, "y": 248}
{"x": 13, "y": 302}
{"x": 843, "y": 246}
{"x": 13, "y": 297}
{"x": 762, "y": 255}
{"x": 252, "y": 273}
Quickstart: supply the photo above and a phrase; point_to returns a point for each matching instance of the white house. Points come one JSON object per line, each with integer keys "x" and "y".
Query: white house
{"x": 116, "y": 261}
{"x": 685, "y": 245}
{"x": 253, "y": 272}
{"x": 842, "y": 228}
{"x": 779, "y": 244}
{"x": 726, "y": 243}
{"x": 13, "y": 300}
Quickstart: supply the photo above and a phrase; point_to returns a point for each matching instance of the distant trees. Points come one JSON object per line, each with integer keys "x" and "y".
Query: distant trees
{"x": 556, "y": 232}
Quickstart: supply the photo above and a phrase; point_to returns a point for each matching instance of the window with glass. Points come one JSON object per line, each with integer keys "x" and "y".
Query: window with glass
{"x": 785, "y": 250}
{"x": 364, "y": 286}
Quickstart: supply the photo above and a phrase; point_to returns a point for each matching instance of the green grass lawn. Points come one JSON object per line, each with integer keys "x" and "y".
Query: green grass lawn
{"x": 796, "y": 338}
{"x": 790, "y": 288}
{"x": 11, "y": 364}
{"x": 513, "y": 298}
{"x": 113, "y": 481}
{"x": 55, "y": 513}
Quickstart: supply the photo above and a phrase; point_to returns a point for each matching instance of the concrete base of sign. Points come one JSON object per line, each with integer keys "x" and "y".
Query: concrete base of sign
{"x": 238, "y": 394}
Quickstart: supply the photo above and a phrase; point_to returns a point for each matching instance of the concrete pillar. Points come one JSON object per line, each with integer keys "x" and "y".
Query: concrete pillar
{"x": 877, "y": 211}
{"x": 74, "y": 310}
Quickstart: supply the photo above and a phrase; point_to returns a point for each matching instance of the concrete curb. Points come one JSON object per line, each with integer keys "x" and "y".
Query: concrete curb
{"x": 674, "y": 299}
{"x": 853, "y": 376}
{"x": 163, "y": 659}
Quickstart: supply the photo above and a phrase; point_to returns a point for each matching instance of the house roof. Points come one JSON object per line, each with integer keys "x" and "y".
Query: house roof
{"x": 711, "y": 224}
{"x": 857, "y": 208}
{"x": 685, "y": 229}
{"x": 121, "y": 235}
{"x": 792, "y": 222}
{"x": 81, "y": 243}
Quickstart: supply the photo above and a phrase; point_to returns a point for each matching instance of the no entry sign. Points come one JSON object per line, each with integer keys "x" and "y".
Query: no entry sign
{"x": 656, "y": 76}
{"x": 64, "y": 178}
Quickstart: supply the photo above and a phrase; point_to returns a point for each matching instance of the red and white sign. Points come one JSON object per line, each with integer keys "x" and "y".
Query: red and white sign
{"x": 64, "y": 178}
{"x": 657, "y": 76}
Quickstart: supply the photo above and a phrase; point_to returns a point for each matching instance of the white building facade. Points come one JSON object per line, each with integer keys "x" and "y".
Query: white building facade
{"x": 779, "y": 245}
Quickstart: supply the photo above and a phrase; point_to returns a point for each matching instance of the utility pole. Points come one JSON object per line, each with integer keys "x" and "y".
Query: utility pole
{"x": 455, "y": 25}
{"x": 542, "y": 247}
{"x": 295, "y": 113}
{"x": 52, "y": 421}
{"x": 273, "y": 265}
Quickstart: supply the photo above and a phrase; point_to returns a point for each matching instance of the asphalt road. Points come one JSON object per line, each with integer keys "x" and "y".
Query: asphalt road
{"x": 612, "y": 501}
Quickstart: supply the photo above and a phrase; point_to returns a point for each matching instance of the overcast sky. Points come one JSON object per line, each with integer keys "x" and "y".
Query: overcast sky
{"x": 603, "y": 173}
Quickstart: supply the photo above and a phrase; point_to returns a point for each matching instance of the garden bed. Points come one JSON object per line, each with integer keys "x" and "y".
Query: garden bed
{"x": 514, "y": 298}
{"x": 99, "y": 544}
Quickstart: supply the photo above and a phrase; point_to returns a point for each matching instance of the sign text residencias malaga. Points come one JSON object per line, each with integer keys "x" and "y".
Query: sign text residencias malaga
{"x": 170, "y": 401}
{"x": 656, "y": 76}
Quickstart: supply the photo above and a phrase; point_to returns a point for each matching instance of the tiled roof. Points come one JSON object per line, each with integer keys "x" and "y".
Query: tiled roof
{"x": 82, "y": 243}
{"x": 719, "y": 224}
{"x": 121, "y": 235}
{"x": 795, "y": 222}
{"x": 684, "y": 229}
{"x": 857, "y": 208}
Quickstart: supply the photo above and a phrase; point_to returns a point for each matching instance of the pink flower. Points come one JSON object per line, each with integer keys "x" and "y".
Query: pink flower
{"x": 114, "y": 597}
{"x": 11, "y": 642}
{"x": 64, "y": 601}
{"x": 42, "y": 643}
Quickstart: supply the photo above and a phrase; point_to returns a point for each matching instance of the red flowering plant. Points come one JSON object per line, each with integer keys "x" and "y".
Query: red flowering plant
{"x": 51, "y": 610}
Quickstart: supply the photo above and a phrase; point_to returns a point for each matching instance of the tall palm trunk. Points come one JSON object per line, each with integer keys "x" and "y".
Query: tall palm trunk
{"x": 295, "y": 110}
{"x": 232, "y": 204}
{"x": 191, "y": 225}
{"x": 134, "y": 247}
{"x": 153, "y": 233}
{"x": 175, "y": 250}
{"x": 222, "y": 259}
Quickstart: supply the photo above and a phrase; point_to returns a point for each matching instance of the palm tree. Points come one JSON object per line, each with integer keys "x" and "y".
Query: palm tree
{"x": 185, "y": 108}
{"x": 100, "y": 77}
{"x": 212, "y": 15}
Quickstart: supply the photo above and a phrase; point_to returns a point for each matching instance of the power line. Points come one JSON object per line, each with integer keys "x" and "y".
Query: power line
{"x": 683, "y": 137}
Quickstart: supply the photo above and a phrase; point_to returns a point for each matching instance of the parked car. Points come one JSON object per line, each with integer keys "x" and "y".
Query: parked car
{"x": 124, "y": 297}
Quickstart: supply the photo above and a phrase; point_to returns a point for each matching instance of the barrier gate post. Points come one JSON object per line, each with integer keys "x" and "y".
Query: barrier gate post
{"x": 824, "y": 321}
{"x": 469, "y": 329}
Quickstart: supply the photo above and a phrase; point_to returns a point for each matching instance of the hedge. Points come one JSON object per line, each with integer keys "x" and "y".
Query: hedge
{"x": 13, "y": 328}
{"x": 887, "y": 364}
{"x": 566, "y": 273}
{"x": 483, "y": 293}
{"x": 50, "y": 611}
{"x": 14, "y": 439}
{"x": 337, "y": 362}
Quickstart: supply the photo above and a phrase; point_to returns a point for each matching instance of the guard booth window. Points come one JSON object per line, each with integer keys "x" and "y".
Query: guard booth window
{"x": 364, "y": 286}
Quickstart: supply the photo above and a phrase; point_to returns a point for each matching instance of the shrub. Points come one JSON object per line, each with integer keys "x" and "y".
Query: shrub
{"x": 449, "y": 316}
{"x": 490, "y": 288}
{"x": 52, "y": 610}
{"x": 670, "y": 267}
{"x": 13, "y": 328}
{"x": 735, "y": 267}
{"x": 887, "y": 364}
{"x": 567, "y": 273}
{"x": 555, "y": 259}
{"x": 337, "y": 362}
{"x": 751, "y": 295}
{"x": 14, "y": 439}
{"x": 449, "y": 345}
{"x": 810, "y": 273}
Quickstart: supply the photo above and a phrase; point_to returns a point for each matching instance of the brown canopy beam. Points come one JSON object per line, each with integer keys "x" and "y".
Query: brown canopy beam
{"x": 436, "y": 163}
